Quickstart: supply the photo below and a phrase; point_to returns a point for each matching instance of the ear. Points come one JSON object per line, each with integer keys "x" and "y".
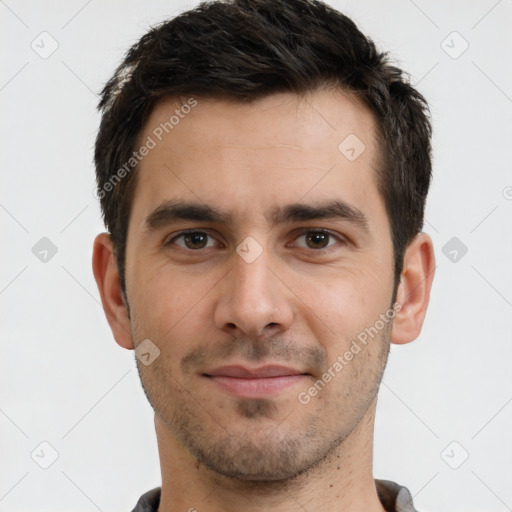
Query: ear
{"x": 413, "y": 292}
{"x": 104, "y": 266}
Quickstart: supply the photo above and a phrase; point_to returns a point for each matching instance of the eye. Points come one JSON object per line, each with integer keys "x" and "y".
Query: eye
{"x": 316, "y": 239}
{"x": 193, "y": 240}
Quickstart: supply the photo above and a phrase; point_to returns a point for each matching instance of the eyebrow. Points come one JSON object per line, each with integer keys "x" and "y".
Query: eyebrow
{"x": 172, "y": 211}
{"x": 298, "y": 212}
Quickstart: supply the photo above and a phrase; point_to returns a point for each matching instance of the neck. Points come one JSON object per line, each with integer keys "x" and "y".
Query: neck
{"x": 342, "y": 481}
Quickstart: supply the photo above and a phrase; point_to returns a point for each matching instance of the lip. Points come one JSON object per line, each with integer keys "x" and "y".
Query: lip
{"x": 255, "y": 382}
{"x": 270, "y": 370}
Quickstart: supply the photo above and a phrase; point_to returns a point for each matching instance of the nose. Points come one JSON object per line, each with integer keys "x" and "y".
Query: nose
{"x": 252, "y": 299}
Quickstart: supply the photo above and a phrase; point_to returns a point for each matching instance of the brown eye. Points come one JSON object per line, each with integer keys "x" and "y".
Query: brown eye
{"x": 317, "y": 240}
{"x": 193, "y": 240}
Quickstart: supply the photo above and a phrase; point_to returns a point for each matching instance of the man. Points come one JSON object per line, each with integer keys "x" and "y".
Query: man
{"x": 263, "y": 172}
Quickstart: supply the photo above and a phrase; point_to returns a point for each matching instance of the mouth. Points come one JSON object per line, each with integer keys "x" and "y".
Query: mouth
{"x": 258, "y": 382}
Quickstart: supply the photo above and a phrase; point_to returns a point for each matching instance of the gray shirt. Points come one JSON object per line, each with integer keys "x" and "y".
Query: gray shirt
{"x": 394, "y": 498}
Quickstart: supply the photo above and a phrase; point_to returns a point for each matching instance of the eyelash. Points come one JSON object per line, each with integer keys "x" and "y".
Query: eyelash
{"x": 338, "y": 238}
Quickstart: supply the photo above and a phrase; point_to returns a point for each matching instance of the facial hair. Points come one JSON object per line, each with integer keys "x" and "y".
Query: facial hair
{"x": 266, "y": 451}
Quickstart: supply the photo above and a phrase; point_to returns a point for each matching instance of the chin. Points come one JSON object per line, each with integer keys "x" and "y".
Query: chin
{"x": 272, "y": 460}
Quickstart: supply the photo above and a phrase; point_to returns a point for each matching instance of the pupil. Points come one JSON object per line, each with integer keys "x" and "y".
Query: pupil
{"x": 195, "y": 240}
{"x": 318, "y": 239}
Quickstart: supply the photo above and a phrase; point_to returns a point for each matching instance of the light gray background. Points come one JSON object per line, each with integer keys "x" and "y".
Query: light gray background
{"x": 66, "y": 382}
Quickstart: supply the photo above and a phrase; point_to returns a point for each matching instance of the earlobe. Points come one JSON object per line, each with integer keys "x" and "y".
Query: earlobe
{"x": 413, "y": 292}
{"x": 105, "y": 271}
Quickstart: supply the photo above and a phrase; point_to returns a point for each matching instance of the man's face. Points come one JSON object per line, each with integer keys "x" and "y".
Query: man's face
{"x": 257, "y": 252}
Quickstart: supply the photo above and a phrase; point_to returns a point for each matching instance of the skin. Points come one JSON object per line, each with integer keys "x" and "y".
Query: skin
{"x": 296, "y": 304}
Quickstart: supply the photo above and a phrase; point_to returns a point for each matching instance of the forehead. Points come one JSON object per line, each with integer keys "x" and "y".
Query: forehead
{"x": 281, "y": 148}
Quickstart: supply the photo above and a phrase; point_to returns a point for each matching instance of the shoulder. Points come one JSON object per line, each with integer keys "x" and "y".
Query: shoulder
{"x": 149, "y": 501}
{"x": 394, "y": 497}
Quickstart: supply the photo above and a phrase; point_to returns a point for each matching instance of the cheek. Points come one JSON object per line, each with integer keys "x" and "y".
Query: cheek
{"x": 169, "y": 305}
{"x": 345, "y": 304}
